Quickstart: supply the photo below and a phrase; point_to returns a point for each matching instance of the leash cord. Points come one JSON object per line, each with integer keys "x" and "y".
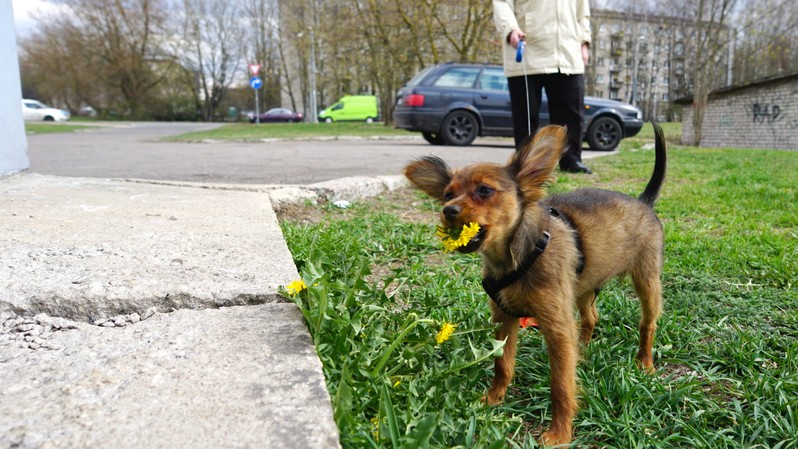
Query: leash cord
{"x": 519, "y": 58}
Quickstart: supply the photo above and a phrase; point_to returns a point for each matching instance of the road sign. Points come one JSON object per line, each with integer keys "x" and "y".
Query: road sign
{"x": 254, "y": 69}
{"x": 255, "y": 83}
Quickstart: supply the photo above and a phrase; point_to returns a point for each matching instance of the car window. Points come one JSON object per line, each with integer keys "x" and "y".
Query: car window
{"x": 493, "y": 79}
{"x": 458, "y": 77}
{"x": 420, "y": 76}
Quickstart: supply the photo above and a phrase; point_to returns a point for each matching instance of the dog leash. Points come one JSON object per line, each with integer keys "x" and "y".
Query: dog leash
{"x": 519, "y": 56}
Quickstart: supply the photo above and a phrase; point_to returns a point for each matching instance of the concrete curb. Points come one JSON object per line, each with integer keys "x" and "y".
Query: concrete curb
{"x": 350, "y": 189}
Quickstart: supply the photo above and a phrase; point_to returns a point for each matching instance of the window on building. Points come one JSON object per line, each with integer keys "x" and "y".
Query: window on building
{"x": 599, "y": 93}
{"x": 665, "y": 97}
{"x": 600, "y": 78}
{"x": 600, "y": 62}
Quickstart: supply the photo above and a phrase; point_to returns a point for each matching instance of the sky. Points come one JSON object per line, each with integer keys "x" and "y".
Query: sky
{"x": 23, "y": 9}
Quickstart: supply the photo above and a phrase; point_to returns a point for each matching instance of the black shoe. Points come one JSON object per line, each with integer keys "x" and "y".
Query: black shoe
{"x": 577, "y": 168}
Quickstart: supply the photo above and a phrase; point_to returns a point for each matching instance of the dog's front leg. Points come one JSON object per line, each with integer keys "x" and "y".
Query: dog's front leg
{"x": 504, "y": 367}
{"x": 559, "y": 330}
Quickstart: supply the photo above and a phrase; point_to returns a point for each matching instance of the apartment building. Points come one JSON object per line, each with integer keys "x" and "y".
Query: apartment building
{"x": 646, "y": 60}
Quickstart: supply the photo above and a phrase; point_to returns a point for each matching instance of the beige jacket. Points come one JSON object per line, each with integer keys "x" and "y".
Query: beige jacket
{"x": 555, "y": 31}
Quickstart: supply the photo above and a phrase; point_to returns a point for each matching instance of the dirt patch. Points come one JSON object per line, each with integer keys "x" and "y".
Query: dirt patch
{"x": 305, "y": 214}
{"x": 406, "y": 203}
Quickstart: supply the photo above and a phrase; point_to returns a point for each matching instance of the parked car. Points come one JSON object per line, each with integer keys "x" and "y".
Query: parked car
{"x": 87, "y": 111}
{"x": 277, "y": 115}
{"x": 358, "y": 108}
{"x": 454, "y": 103}
{"x": 36, "y": 111}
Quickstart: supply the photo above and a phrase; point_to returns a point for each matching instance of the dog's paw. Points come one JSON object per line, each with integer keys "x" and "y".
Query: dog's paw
{"x": 645, "y": 363}
{"x": 552, "y": 439}
{"x": 493, "y": 397}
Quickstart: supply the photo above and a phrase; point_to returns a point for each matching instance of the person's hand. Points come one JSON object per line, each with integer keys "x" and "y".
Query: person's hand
{"x": 585, "y": 53}
{"x": 514, "y": 37}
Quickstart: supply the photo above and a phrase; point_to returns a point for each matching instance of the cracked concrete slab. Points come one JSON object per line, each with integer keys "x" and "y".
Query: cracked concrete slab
{"x": 89, "y": 248}
{"x": 237, "y": 377}
{"x": 89, "y": 359}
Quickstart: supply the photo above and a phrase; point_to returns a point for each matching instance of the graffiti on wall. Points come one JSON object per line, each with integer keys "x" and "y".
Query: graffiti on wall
{"x": 766, "y": 113}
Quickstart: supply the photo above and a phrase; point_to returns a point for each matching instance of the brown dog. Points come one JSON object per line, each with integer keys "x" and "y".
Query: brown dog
{"x": 545, "y": 257}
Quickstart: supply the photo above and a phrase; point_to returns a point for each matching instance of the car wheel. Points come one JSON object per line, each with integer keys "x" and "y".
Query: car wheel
{"x": 604, "y": 134}
{"x": 369, "y": 120}
{"x": 328, "y": 120}
{"x": 433, "y": 138}
{"x": 459, "y": 128}
{"x": 49, "y": 119}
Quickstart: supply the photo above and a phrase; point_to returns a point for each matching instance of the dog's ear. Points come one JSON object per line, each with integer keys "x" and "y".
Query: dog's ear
{"x": 534, "y": 163}
{"x": 430, "y": 174}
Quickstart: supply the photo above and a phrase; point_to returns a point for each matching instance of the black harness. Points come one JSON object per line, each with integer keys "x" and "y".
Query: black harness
{"x": 494, "y": 286}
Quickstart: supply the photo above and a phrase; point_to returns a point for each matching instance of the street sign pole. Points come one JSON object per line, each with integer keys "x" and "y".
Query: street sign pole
{"x": 255, "y": 83}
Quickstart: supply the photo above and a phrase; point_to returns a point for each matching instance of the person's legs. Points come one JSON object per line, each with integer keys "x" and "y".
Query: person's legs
{"x": 566, "y": 95}
{"x": 525, "y": 120}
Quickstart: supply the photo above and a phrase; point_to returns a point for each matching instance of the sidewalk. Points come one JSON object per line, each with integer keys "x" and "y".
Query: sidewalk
{"x": 145, "y": 315}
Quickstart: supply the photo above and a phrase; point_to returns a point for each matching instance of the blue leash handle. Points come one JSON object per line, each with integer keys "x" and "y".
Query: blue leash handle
{"x": 519, "y": 55}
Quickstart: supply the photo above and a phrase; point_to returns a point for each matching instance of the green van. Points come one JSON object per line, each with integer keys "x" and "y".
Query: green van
{"x": 351, "y": 108}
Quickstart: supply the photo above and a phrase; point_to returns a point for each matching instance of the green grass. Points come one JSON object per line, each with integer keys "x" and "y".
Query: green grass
{"x": 726, "y": 350}
{"x": 248, "y": 131}
{"x": 48, "y": 128}
{"x": 672, "y": 130}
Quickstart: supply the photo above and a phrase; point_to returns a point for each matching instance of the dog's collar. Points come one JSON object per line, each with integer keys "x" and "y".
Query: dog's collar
{"x": 494, "y": 286}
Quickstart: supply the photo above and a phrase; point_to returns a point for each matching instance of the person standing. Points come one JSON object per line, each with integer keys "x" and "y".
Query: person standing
{"x": 557, "y": 37}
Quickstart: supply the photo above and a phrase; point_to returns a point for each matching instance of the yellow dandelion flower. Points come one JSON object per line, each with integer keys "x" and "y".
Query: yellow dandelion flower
{"x": 447, "y": 329}
{"x": 375, "y": 428}
{"x": 453, "y": 239}
{"x": 294, "y": 287}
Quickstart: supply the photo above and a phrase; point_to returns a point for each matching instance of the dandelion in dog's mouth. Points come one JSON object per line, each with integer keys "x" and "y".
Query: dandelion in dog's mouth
{"x": 455, "y": 238}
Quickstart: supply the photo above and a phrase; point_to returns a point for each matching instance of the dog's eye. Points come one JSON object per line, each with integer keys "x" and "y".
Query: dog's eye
{"x": 448, "y": 196}
{"x": 484, "y": 190}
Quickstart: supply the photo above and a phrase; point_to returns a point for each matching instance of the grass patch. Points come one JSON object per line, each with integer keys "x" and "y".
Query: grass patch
{"x": 249, "y": 131}
{"x": 726, "y": 350}
{"x": 672, "y": 130}
{"x": 49, "y": 128}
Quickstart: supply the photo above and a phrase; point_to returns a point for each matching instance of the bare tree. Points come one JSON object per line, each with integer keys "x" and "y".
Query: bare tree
{"x": 767, "y": 32}
{"x": 213, "y": 46}
{"x": 124, "y": 36}
{"x": 711, "y": 38}
{"x": 263, "y": 32}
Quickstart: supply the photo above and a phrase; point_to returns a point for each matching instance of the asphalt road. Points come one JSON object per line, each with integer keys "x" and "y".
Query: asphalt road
{"x": 134, "y": 150}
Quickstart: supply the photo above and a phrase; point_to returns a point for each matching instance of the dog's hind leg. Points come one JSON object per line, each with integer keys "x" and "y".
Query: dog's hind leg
{"x": 504, "y": 365}
{"x": 649, "y": 290}
{"x": 588, "y": 316}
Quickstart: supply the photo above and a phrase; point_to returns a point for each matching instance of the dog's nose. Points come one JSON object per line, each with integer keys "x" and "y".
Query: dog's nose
{"x": 450, "y": 212}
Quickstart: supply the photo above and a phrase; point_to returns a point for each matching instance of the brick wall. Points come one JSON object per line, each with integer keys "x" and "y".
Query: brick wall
{"x": 760, "y": 115}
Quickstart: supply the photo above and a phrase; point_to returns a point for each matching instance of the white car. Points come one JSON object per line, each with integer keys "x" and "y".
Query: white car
{"x": 37, "y": 111}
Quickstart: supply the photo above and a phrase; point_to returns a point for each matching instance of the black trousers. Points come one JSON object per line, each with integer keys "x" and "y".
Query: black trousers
{"x": 566, "y": 102}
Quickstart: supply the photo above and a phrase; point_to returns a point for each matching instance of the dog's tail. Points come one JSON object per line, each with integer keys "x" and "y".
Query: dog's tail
{"x": 650, "y": 194}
